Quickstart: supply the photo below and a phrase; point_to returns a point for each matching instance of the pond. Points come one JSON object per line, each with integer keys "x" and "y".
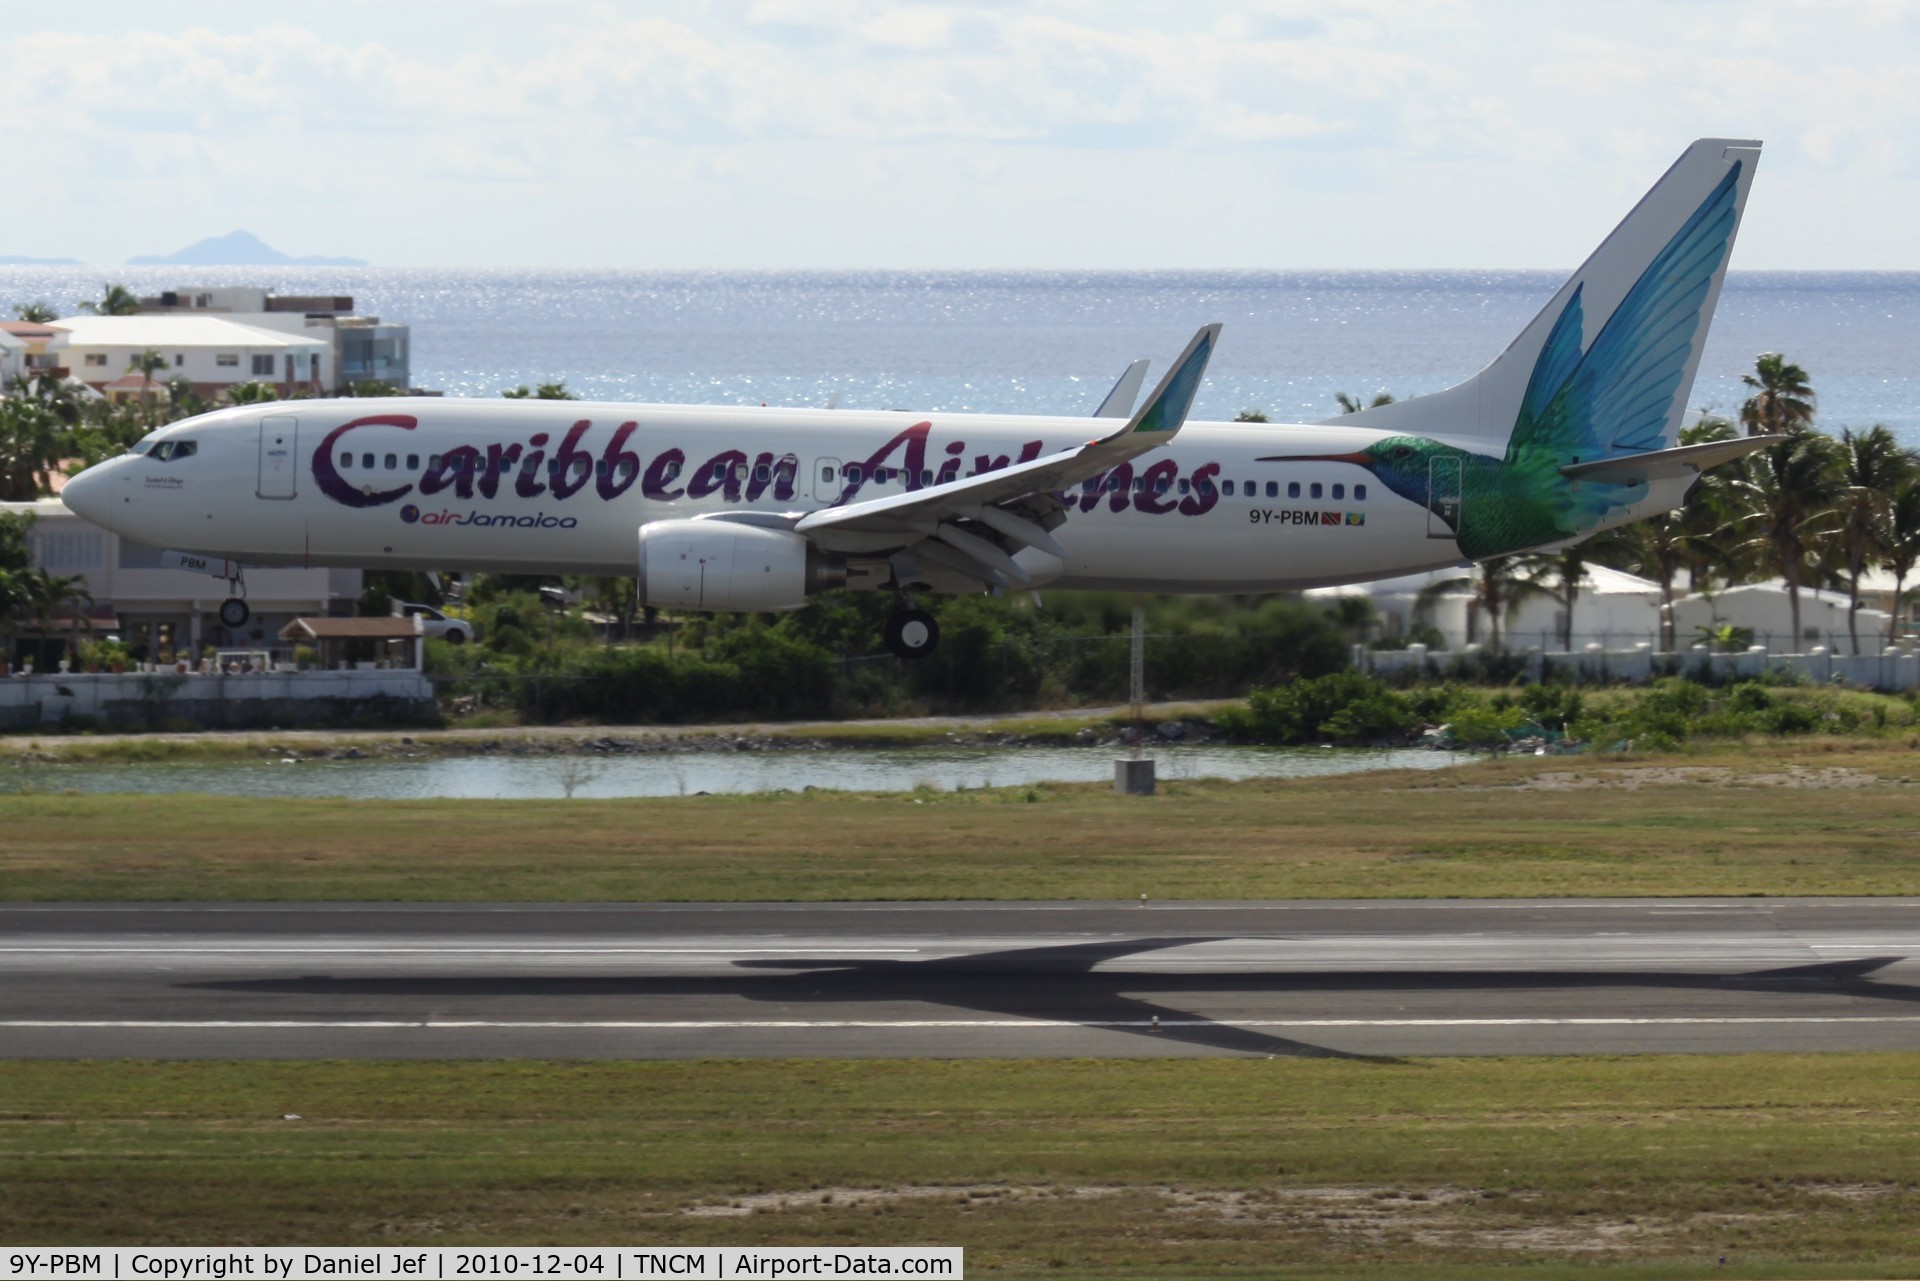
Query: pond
{"x": 687, "y": 773}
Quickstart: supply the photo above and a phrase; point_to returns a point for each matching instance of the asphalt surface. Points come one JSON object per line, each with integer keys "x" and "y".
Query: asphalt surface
{"x": 1023, "y": 980}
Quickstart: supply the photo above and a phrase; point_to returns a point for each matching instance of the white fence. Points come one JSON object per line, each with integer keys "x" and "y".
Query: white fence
{"x": 1893, "y": 669}
{"x": 145, "y": 700}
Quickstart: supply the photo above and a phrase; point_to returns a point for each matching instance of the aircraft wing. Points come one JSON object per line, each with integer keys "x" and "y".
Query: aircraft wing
{"x": 967, "y": 524}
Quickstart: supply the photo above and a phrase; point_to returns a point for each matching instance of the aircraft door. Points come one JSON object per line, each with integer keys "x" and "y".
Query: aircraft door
{"x": 279, "y": 453}
{"x": 1443, "y": 497}
{"x": 827, "y": 482}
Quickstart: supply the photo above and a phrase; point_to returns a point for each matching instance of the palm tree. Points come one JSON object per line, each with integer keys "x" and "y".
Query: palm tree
{"x": 114, "y": 300}
{"x": 1783, "y": 399}
{"x": 1900, "y": 543}
{"x": 545, "y": 391}
{"x": 1872, "y": 465}
{"x": 1561, "y": 573}
{"x": 1782, "y": 502}
{"x": 1352, "y": 405}
{"x": 252, "y": 393}
{"x": 147, "y": 364}
{"x": 27, "y": 593}
{"x": 39, "y": 311}
{"x": 1498, "y": 589}
{"x": 182, "y": 400}
{"x": 1659, "y": 548}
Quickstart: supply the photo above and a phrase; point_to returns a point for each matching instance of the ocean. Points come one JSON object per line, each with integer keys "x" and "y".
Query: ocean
{"x": 1046, "y": 342}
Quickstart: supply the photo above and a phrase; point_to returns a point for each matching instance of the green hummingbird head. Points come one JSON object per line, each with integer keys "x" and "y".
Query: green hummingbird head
{"x": 1402, "y": 463}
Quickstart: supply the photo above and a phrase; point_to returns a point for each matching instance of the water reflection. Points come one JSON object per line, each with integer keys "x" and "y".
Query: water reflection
{"x": 684, "y": 774}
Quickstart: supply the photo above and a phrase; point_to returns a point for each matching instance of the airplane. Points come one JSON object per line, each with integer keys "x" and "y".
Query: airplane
{"x": 1571, "y": 430}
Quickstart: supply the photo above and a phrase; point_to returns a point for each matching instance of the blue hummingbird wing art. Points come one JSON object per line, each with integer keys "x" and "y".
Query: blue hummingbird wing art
{"x": 1617, "y": 396}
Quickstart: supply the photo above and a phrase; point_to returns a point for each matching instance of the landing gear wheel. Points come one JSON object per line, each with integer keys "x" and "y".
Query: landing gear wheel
{"x": 912, "y": 633}
{"x": 234, "y": 612}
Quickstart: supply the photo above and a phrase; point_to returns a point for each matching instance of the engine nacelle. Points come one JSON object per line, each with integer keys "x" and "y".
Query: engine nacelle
{"x": 727, "y": 566}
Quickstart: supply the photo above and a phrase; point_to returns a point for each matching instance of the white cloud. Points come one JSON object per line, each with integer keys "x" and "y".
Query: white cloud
{"x": 872, "y": 131}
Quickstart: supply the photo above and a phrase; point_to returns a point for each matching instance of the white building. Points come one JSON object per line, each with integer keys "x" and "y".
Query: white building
{"x": 1613, "y": 609}
{"x": 210, "y": 352}
{"x": 13, "y": 356}
{"x": 165, "y": 612}
{"x": 365, "y": 348}
{"x": 1765, "y": 610}
{"x": 33, "y": 338}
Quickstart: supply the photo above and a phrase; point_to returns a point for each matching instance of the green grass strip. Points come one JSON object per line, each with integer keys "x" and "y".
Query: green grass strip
{"x": 1812, "y": 818}
{"x": 1788, "y": 1165}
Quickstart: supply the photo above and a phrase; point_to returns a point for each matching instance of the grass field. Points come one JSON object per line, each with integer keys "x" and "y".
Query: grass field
{"x": 1567, "y": 1167}
{"x": 1832, "y": 817}
{"x": 1657, "y": 1166}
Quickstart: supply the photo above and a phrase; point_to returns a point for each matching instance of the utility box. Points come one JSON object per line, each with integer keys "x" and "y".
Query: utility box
{"x": 1133, "y": 776}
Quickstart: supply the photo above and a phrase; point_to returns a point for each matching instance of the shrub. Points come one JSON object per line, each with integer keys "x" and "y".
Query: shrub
{"x": 1346, "y": 706}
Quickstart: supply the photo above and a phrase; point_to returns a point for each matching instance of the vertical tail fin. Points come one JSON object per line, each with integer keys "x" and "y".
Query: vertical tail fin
{"x": 1607, "y": 366}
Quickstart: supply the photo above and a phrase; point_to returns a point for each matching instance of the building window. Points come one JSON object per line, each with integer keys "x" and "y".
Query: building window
{"x": 263, "y": 366}
{"x": 96, "y": 358}
{"x": 77, "y": 550}
{"x": 179, "y": 359}
{"x": 227, "y": 360}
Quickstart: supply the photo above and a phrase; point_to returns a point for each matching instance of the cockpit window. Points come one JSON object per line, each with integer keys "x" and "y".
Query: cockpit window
{"x": 140, "y": 447}
{"x": 168, "y": 451}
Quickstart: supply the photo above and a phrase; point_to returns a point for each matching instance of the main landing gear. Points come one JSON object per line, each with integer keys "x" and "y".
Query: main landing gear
{"x": 234, "y": 611}
{"x": 912, "y": 633}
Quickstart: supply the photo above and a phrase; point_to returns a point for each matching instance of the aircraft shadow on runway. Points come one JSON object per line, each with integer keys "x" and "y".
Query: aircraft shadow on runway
{"x": 1062, "y": 983}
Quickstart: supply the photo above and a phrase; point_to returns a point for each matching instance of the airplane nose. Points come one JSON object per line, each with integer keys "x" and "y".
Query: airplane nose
{"x": 89, "y": 495}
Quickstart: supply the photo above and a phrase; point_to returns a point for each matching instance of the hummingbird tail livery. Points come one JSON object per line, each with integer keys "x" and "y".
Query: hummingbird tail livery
{"x": 1570, "y": 430}
{"x": 1575, "y": 426}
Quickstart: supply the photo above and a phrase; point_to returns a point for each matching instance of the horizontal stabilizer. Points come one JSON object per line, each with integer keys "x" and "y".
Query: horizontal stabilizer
{"x": 1663, "y": 464}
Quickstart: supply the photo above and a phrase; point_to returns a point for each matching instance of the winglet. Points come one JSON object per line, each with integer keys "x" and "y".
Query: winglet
{"x": 1119, "y": 401}
{"x": 1166, "y": 409}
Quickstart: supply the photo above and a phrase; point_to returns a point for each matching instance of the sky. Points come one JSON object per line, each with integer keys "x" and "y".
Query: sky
{"x": 1072, "y": 134}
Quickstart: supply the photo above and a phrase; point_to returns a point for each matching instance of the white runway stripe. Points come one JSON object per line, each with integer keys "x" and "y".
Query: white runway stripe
{"x": 678, "y": 1025}
{"x": 297, "y": 950}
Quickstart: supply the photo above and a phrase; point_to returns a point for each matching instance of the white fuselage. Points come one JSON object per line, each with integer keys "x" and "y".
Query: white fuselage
{"x": 563, "y": 486}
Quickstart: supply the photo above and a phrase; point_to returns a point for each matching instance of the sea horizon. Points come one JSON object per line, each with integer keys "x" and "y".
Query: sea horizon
{"x": 1040, "y": 340}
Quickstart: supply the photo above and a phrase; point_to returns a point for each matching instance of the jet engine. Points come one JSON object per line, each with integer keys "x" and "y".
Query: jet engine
{"x": 727, "y": 566}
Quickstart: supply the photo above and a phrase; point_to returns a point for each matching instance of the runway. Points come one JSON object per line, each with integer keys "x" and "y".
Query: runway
{"x": 1025, "y": 980}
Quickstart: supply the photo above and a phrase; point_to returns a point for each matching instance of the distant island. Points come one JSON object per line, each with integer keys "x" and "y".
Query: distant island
{"x": 237, "y": 249}
{"x": 18, "y": 260}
